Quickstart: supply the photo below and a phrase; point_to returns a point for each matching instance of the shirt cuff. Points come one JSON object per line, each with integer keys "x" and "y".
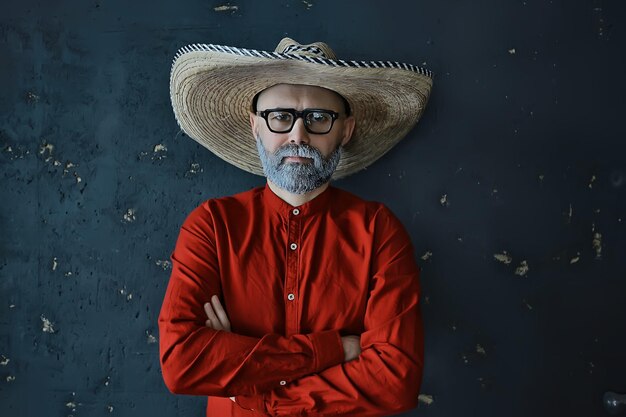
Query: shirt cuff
{"x": 327, "y": 349}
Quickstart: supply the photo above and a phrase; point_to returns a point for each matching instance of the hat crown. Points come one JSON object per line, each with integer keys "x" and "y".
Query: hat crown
{"x": 315, "y": 49}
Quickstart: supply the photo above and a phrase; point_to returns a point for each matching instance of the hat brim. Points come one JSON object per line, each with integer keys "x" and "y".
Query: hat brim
{"x": 211, "y": 93}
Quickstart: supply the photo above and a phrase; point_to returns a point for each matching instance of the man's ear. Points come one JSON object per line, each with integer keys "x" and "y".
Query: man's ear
{"x": 253, "y": 125}
{"x": 348, "y": 129}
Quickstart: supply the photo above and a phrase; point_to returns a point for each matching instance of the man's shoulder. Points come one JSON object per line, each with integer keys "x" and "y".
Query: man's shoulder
{"x": 226, "y": 203}
{"x": 346, "y": 201}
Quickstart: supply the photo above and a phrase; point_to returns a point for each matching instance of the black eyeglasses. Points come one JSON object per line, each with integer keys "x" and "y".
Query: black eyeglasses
{"x": 316, "y": 121}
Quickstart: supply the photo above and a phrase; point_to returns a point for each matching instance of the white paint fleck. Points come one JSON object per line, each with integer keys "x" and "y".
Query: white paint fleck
{"x": 10, "y": 378}
{"x": 47, "y": 325}
{"x": 481, "y": 350}
{"x": 591, "y": 181}
{"x": 129, "y": 216}
{"x": 165, "y": 264}
{"x": 503, "y": 257}
{"x": 110, "y": 408}
{"x": 522, "y": 269}
{"x": 444, "y": 200}
{"x": 71, "y": 405}
{"x": 512, "y": 51}
{"x": 307, "y": 4}
{"x": 12, "y": 306}
{"x": 226, "y": 8}
{"x": 5, "y": 361}
{"x": 541, "y": 177}
{"x": 54, "y": 263}
{"x": 160, "y": 148}
{"x": 427, "y": 256}
{"x": 575, "y": 259}
{"x": 425, "y": 398}
{"x": 150, "y": 338}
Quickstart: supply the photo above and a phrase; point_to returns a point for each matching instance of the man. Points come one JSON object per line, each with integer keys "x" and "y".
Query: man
{"x": 296, "y": 298}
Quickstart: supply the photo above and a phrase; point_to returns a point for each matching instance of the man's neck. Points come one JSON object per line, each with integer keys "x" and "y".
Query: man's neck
{"x": 296, "y": 200}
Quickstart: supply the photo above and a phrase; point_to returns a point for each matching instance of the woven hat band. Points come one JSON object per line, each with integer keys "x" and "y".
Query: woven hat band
{"x": 316, "y": 49}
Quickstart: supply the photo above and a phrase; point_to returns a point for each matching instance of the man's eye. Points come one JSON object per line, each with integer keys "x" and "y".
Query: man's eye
{"x": 319, "y": 117}
{"x": 280, "y": 116}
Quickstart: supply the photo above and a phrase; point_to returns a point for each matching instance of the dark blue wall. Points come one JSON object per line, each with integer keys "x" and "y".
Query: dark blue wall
{"x": 524, "y": 136}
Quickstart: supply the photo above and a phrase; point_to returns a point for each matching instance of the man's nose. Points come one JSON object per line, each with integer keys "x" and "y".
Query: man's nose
{"x": 298, "y": 132}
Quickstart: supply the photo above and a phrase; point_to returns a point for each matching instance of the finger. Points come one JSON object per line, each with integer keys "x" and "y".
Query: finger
{"x": 215, "y": 322}
{"x": 219, "y": 310}
{"x": 208, "y": 323}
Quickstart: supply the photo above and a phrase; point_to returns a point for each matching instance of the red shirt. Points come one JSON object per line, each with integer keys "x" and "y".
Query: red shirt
{"x": 293, "y": 280}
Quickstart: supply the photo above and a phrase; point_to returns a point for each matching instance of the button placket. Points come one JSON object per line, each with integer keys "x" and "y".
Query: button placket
{"x": 292, "y": 271}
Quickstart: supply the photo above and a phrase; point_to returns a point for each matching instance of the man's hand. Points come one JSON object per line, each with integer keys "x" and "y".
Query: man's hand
{"x": 351, "y": 347}
{"x": 216, "y": 316}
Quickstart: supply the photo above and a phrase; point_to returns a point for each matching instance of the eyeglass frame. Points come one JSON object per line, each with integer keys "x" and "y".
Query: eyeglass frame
{"x": 296, "y": 115}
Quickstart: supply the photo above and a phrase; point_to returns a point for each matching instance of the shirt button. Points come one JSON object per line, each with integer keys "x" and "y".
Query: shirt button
{"x": 291, "y": 297}
{"x": 293, "y": 246}
{"x": 296, "y": 212}
{"x": 283, "y": 382}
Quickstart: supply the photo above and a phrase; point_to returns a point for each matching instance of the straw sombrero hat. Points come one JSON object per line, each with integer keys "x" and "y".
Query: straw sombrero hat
{"x": 212, "y": 88}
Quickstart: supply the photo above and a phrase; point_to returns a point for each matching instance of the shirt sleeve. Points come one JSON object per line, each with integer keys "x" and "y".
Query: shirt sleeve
{"x": 196, "y": 359}
{"x": 386, "y": 377}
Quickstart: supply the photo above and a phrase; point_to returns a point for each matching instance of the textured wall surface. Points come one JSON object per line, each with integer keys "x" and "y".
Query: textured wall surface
{"x": 512, "y": 187}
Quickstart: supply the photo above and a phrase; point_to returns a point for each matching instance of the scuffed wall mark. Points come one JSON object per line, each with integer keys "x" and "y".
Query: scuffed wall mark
{"x": 307, "y": 4}
{"x": 425, "y": 398}
{"x": 512, "y": 51}
{"x": 570, "y": 213}
{"x": 527, "y": 304}
{"x": 32, "y": 97}
{"x": 426, "y": 256}
{"x": 596, "y": 244}
{"x": 591, "y": 181}
{"x": 47, "y": 325}
{"x": 226, "y": 8}
{"x": 480, "y": 350}
{"x": 45, "y": 150}
{"x": 165, "y": 264}
{"x": 575, "y": 258}
{"x": 150, "y": 339}
{"x": 522, "y": 269}
{"x": 503, "y": 257}
{"x": 54, "y": 263}
{"x": 444, "y": 200}
{"x": 129, "y": 216}
{"x": 4, "y": 361}
{"x": 10, "y": 378}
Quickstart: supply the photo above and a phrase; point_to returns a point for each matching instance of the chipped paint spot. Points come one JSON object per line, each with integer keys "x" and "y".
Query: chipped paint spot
{"x": 512, "y": 51}
{"x": 71, "y": 405}
{"x": 45, "y": 150}
{"x": 159, "y": 152}
{"x": 569, "y": 213}
{"x": 12, "y": 306}
{"x": 426, "y": 256}
{"x": 225, "y": 8}
{"x": 10, "y": 378}
{"x": 522, "y": 269}
{"x": 425, "y": 398}
{"x": 129, "y": 295}
{"x": 527, "y": 304}
{"x": 54, "y": 263}
{"x": 541, "y": 176}
{"x": 503, "y": 257}
{"x": 110, "y": 408}
{"x": 5, "y": 361}
{"x": 68, "y": 274}
{"x": 47, "y": 325}
{"x": 150, "y": 338}
{"x": 307, "y": 4}
{"x": 32, "y": 97}
{"x": 575, "y": 258}
{"x": 444, "y": 200}
{"x": 129, "y": 216}
{"x": 165, "y": 264}
{"x": 194, "y": 169}
{"x": 481, "y": 350}
{"x": 591, "y": 181}
{"x": 596, "y": 243}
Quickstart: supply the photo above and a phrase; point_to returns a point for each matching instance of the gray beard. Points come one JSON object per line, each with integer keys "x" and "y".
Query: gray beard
{"x": 298, "y": 178}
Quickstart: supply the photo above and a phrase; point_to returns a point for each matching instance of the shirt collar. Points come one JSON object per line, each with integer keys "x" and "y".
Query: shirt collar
{"x": 319, "y": 204}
